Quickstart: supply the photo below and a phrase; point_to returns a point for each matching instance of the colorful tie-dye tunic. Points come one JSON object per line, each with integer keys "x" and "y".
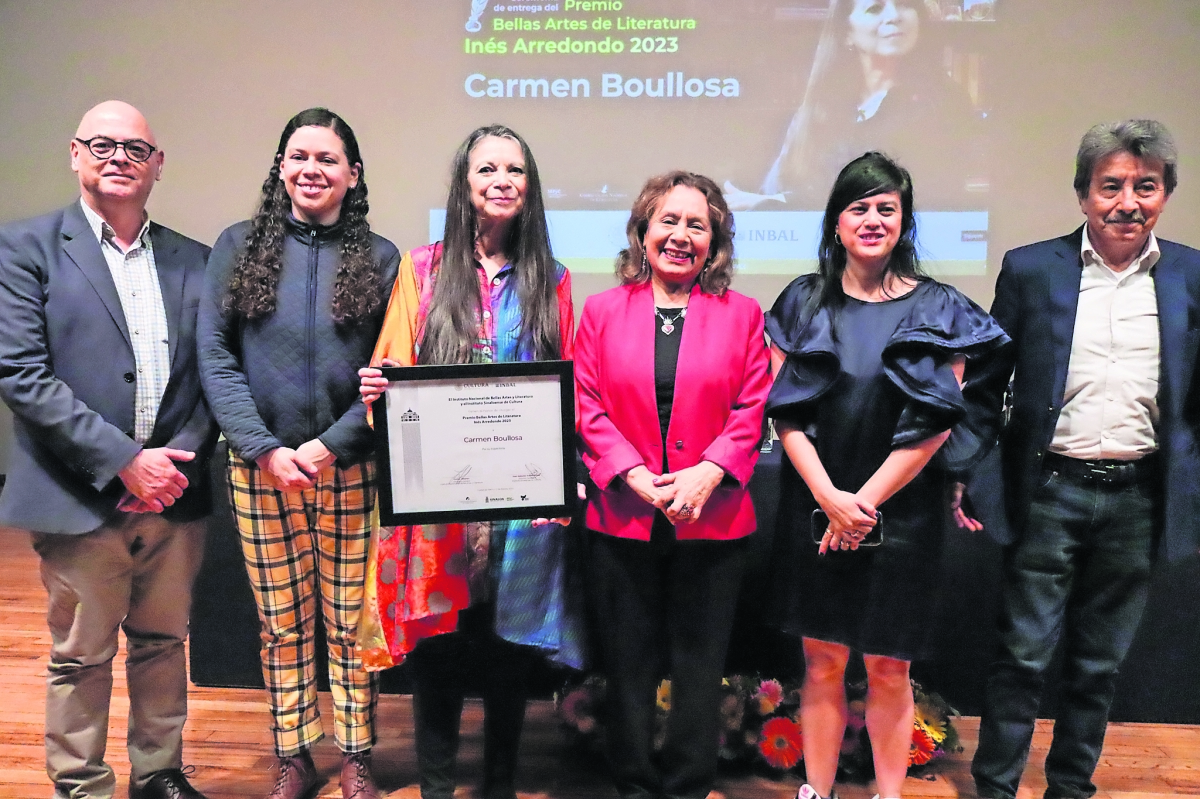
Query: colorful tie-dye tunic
{"x": 421, "y": 576}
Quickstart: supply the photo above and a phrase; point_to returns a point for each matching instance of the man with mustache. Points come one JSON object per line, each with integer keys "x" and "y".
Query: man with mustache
{"x": 1100, "y": 459}
{"x": 98, "y": 364}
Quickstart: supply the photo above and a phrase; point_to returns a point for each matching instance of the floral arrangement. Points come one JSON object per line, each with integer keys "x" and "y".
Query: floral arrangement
{"x": 761, "y": 724}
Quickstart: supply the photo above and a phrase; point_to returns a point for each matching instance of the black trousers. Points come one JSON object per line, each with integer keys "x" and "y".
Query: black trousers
{"x": 664, "y": 606}
{"x": 443, "y": 668}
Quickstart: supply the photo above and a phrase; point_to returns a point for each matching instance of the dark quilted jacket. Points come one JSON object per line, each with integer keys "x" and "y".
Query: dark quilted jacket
{"x": 291, "y": 376}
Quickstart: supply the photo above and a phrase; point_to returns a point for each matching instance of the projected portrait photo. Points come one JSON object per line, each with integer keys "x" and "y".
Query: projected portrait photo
{"x": 887, "y": 75}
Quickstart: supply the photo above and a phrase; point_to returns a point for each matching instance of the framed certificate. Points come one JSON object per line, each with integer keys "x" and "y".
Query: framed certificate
{"x": 476, "y": 442}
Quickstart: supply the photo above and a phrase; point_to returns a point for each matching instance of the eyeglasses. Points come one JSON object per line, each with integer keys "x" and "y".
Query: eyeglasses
{"x": 105, "y": 148}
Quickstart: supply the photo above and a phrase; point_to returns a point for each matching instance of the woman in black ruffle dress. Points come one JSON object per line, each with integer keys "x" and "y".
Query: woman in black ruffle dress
{"x": 885, "y": 381}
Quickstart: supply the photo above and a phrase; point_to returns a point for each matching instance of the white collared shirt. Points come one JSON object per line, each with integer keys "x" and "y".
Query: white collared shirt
{"x": 870, "y": 106}
{"x": 1110, "y": 406}
{"x": 136, "y": 276}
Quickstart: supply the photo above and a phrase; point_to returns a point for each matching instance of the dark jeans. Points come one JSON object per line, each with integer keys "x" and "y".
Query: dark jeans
{"x": 1080, "y": 574}
{"x": 442, "y": 668}
{"x": 678, "y": 599}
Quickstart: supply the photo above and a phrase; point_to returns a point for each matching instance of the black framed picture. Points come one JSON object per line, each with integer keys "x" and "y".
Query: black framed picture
{"x": 476, "y": 442}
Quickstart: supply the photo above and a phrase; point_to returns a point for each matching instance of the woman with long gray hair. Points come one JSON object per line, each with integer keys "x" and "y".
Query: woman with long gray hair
{"x": 489, "y": 597}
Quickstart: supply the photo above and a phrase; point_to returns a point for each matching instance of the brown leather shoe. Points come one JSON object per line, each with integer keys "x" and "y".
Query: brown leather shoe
{"x": 356, "y": 776}
{"x": 298, "y": 778}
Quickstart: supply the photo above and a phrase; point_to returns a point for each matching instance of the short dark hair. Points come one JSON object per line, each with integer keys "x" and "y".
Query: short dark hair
{"x": 1141, "y": 138}
{"x": 870, "y": 174}
{"x": 717, "y": 273}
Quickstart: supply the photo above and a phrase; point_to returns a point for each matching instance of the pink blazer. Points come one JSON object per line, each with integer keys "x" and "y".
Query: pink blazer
{"x": 721, "y": 386}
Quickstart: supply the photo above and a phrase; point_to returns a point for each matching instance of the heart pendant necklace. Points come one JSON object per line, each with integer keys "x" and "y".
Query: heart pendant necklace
{"x": 668, "y": 322}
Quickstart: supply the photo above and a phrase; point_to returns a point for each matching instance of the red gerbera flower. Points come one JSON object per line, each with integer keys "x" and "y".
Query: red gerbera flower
{"x": 780, "y": 742}
{"x": 923, "y": 747}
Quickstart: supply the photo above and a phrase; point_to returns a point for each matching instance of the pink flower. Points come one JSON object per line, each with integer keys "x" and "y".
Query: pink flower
{"x": 769, "y": 696}
{"x": 577, "y": 710}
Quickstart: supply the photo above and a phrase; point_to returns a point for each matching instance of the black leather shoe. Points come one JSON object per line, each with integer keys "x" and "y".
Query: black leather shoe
{"x": 170, "y": 783}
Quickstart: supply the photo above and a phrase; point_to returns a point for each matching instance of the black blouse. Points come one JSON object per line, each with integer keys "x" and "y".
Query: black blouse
{"x": 666, "y": 358}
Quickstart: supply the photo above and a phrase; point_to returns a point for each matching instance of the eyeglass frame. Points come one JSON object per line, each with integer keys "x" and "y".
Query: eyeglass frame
{"x": 118, "y": 144}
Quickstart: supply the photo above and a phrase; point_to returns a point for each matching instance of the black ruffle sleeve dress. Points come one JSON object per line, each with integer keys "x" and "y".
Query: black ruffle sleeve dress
{"x": 861, "y": 381}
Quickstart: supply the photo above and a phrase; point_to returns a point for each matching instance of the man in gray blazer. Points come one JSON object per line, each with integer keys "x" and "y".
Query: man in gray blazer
{"x": 98, "y": 364}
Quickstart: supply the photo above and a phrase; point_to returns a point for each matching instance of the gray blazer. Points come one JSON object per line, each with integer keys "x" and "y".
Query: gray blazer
{"x": 67, "y": 372}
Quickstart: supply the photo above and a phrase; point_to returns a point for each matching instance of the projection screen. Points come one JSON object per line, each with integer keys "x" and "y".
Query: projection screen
{"x": 983, "y": 101}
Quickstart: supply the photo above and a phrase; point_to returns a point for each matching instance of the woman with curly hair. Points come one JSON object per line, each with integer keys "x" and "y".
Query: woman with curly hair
{"x": 294, "y": 300}
{"x": 475, "y": 602}
{"x": 672, "y": 380}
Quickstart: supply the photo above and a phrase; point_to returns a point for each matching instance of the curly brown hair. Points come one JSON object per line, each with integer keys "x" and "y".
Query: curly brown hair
{"x": 255, "y": 278}
{"x": 717, "y": 273}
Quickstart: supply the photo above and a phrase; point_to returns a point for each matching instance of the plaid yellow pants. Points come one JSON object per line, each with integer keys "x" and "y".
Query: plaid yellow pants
{"x": 296, "y": 544}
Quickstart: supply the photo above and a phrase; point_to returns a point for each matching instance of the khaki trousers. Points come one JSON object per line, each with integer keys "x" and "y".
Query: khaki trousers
{"x": 134, "y": 573}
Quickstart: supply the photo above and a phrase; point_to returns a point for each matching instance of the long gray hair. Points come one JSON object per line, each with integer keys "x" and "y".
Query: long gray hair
{"x": 452, "y": 325}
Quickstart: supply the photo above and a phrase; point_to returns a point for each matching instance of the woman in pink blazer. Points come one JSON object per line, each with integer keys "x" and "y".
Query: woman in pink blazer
{"x": 672, "y": 376}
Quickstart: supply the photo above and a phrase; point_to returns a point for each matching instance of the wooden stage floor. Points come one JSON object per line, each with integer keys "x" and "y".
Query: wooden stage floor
{"x": 228, "y": 742}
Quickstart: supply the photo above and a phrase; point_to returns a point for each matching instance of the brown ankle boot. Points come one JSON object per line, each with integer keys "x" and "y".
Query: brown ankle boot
{"x": 297, "y": 777}
{"x": 356, "y": 776}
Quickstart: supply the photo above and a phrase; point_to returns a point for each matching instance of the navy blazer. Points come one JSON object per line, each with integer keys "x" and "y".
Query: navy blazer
{"x": 67, "y": 372}
{"x": 1037, "y": 294}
